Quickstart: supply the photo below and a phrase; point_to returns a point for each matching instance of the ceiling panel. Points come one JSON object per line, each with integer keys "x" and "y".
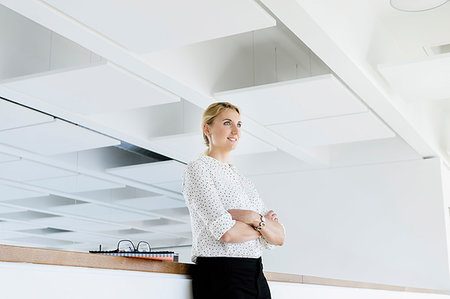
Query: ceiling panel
{"x": 74, "y": 184}
{"x": 77, "y": 224}
{"x": 174, "y": 186}
{"x": 10, "y": 192}
{"x": 101, "y": 212}
{"x": 10, "y": 235}
{"x": 15, "y": 116}
{"x": 78, "y": 237}
{"x": 17, "y": 225}
{"x": 269, "y": 163}
{"x": 295, "y": 100}
{"x": 426, "y": 79}
{"x": 25, "y": 170}
{"x": 181, "y": 214}
{"x": 334, "y": 130}
{"x": 41, "y": 241}
{"x": 54, "y": 138}
{"x": 98, "y": 88}
{"x": 152, "y": 203}
{"x": 26, "y": 215}
{"x": 118, "y": 193}
{"x": 191, "y": 145}
{"x": 43, "y": 202}
{"x": 156, "y": 172}
{"x": 135, "y": 238}
{"x": 176, "y": 228}
{"x": 154, "y": 25}
{"x": 5, "y": 209}
{"x": 6, "y": 158}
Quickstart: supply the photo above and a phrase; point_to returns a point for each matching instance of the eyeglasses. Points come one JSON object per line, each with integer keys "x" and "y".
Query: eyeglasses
{"x": 128, "y": 246}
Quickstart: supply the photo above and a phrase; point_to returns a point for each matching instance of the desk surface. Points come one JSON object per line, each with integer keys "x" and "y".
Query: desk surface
{"x": 88, "y": 260}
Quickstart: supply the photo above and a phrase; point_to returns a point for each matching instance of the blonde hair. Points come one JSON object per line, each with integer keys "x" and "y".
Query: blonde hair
{"x": 212, "y": 112}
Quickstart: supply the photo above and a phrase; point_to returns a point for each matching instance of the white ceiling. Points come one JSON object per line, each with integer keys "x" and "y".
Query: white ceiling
{"x": 342, "y": 100}
{"x": 96, "y": 88}
{"x": 295, "y": 100}
{"x": 168, "y": 24}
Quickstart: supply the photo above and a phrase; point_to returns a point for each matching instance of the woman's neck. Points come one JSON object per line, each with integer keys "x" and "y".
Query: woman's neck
{"x": 219, "y": 155}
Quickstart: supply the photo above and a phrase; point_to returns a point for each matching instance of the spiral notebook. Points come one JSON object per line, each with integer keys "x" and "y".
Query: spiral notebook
{"x": 153, "y": 255}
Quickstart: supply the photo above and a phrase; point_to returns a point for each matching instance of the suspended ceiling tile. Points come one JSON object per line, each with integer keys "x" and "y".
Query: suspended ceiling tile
{"x": 150, "y": 173}
{"x": 83, "y": 238}
{"x": 17, "y": 225}
{"x": 94, "y": 89}
{"x": 372, "y": 151}
{"x": 6, "y": 158}
{"x": 154, "y": 25}
{"x": 171, "y": 242}
{"x": 152, "y": 203}
{"x": 43, "y": 202}
{"x": 148, "y": 224}
{"x": 426, "y": 79}
{"x": 149, "y": 237}
{"x": 174, "y": 186}
{"x": 10, "y": 192}
{"x": 77, "y": 224}
{"x": 10, "y": 235}
{"x": 26, "y": 215}
{"x": 74, "y": 184}
{"x": 296, "y": 100}
{"x": 53, "y": 138}
{"x": 269, "y": 163}
{"x": 15, "y": 116}
{"x": 181, "y": 214}
{"x": 191, "y": 145}
{"x": 25, "y": 170}
{"x": 118, "y": 193}
{"x": 41, "y": 241}
{"x": 101, "y": 213}
{"x": 6, "y": 209}
{"x": 334, "y": 130}
{"x": 177, "y": 228}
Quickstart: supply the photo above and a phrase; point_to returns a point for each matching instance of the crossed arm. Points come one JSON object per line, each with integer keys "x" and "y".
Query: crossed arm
{"x": 243, "y": 231}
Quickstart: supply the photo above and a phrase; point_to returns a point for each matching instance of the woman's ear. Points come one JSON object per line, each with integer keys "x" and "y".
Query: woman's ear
{"x": 206, "y": 129}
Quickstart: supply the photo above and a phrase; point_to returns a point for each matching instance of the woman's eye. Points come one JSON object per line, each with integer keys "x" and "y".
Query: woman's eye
{"x": 239, "y": 125}
{"x": 226, "y": 123}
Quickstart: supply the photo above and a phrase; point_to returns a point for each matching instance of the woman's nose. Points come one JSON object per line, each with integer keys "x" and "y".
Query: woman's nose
{"x": 234, "y": 129}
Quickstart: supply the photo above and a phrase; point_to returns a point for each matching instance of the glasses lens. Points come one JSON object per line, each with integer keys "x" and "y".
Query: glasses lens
{"x": 126, "y": 246}
{"x": 143, "y": 247}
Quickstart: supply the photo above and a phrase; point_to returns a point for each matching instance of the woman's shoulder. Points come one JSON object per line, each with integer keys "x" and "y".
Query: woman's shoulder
{"x": 196, "y": 165}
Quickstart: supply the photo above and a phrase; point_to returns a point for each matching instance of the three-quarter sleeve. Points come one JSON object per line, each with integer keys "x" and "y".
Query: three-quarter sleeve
{"x": 203, "y": 199}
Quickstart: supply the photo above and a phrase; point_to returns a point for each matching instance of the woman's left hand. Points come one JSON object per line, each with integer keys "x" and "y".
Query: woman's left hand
{"x": 271, "y": 215}
{"x": 246, "y": 216}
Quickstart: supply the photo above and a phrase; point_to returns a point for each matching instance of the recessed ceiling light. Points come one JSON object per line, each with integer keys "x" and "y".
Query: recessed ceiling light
{"x": 416, "y": 5}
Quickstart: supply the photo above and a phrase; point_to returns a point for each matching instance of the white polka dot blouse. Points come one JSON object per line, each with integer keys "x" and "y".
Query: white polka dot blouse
{"x": 210, "y": 188}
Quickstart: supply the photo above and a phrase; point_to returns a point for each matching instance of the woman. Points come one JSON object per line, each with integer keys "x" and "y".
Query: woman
{"x": 230, "y": 224}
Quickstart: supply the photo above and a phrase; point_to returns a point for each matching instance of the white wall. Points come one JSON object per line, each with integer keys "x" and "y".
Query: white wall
{"x": 379, "y": 223}
{"x": 20, "y": 281}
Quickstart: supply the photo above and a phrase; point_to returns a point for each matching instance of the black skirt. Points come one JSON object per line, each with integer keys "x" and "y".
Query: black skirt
{"x": 229, "y": 278}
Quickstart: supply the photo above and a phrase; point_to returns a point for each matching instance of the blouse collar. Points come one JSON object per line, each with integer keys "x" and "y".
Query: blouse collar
{"x": 214, "y": 161}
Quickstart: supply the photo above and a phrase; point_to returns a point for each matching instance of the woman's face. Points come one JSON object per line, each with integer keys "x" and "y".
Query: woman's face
{"x": 225, "y": 130}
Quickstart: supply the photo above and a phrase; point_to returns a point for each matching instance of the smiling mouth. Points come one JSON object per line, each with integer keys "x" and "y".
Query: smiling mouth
{"x": 234, "y": 139}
